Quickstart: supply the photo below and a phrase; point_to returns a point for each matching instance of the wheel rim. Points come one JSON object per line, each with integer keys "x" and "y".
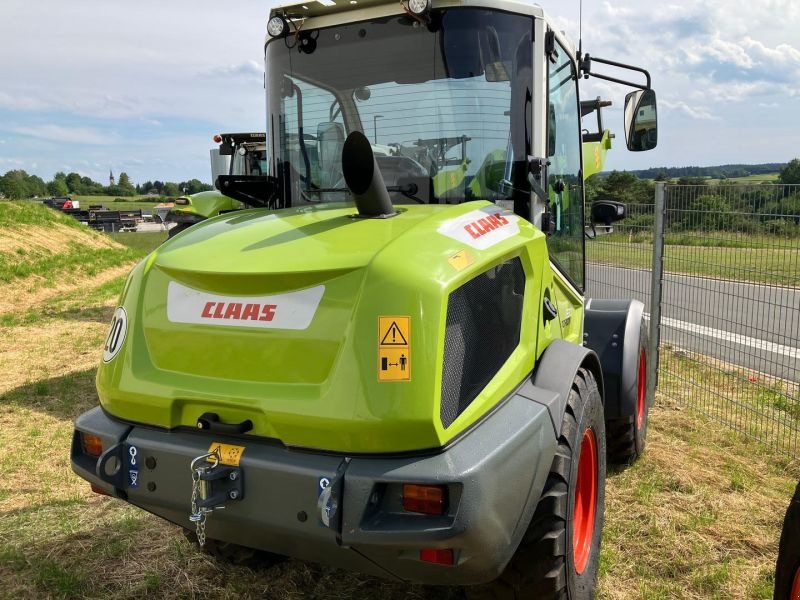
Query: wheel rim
{"x": 641, "y": 391}
{"x": 585, "y": 502}
{"x": 795, "y": 595}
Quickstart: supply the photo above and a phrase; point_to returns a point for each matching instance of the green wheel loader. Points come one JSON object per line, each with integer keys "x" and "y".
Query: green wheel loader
{"x": 240, "y": 154}
{"x": 370, "y": 370}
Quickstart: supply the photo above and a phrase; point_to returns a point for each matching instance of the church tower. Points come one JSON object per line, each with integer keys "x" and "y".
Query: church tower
{"x": 110, "y": 177}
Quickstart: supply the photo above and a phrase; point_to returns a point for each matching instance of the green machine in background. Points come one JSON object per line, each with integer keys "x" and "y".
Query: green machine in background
{"x": 390, "y": 363}
{"x": 238, "y": 154}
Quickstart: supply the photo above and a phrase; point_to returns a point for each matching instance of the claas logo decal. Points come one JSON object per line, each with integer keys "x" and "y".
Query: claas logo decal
{"x": 289, "y": 310}
{"x": 481, "y": 227}
{"x": 239, "y": 311}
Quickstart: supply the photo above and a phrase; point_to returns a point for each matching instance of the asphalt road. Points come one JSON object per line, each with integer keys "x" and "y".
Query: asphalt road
{"x": 748, "y": 324}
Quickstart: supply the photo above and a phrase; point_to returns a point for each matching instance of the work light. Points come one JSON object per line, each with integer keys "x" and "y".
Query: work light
{"x": 419, "y": 7}
{"x": 276, "y": 26}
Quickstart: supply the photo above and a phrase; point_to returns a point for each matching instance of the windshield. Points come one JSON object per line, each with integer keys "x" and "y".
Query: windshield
{"x": 249, "y": 159}
{"x": 445, "y": 106}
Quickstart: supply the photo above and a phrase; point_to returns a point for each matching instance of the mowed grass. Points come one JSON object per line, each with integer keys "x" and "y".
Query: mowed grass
{"x": 143, "y": 243}
{"x": 753, "y": 258}
{"x": 698, "y": 517}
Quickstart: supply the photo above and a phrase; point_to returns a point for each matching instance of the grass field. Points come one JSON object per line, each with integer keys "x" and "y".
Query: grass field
{"x": 763, "y": 260}
{"x": 698, "y": 517}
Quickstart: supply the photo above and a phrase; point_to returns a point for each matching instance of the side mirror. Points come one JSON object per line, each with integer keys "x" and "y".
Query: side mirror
{"x": 607, "y": 211}
{"x": 641, "y": 122}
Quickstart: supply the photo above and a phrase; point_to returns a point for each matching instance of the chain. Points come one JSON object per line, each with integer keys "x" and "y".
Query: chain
{"x": 199, "y": 515}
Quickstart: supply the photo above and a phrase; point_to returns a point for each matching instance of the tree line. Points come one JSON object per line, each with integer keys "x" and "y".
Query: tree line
{"x": 19, "y": 185}
{"x": 716, "y": 172}
{"x": 743, "y": 208}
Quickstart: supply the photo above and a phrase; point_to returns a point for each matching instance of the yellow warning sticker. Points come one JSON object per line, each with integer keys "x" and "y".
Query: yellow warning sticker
{"x": 461, "y": 260}
{"x": 228, "y": 455}
{"x": 394, "y": 348}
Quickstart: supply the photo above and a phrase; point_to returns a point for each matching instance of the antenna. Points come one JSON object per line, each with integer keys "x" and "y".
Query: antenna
{"x": 580, "y": 30}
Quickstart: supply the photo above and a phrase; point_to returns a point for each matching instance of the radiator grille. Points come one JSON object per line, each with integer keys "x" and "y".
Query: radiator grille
{"x": 483, "y": 329}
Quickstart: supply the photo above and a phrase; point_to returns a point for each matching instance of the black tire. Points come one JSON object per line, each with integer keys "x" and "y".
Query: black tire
{"x": 178, "y": 228}
{"x": 626, "y": 437}
{"x": 234, "y": 554}
{"x": 545, "y": 565}
{"x": 787, "y": 571}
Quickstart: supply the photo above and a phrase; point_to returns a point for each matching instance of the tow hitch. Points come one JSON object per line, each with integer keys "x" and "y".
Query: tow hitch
{"x": 213, "y": 484}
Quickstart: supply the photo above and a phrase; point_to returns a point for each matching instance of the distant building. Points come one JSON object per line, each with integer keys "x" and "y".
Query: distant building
{"x": 110, "y": 177}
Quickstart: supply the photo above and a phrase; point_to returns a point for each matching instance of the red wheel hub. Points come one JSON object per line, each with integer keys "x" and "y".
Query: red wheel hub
{"x": 641, "y": 391}
{"x": 795, "y": 595}
{"x": 583, "y": 516}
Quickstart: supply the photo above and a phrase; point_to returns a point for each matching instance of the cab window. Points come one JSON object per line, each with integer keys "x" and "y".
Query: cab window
{"x": 564, "y": 185}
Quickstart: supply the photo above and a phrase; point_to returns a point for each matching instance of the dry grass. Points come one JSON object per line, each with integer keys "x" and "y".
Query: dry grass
{"x": 30, "y": 292}
{"x": 53, "y": 238}
{"x": 697, "y": 517}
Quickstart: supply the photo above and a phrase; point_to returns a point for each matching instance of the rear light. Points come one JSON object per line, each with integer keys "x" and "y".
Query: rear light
{"x": 437, "y": 556}
{"x": 91, "y": 444}
{"x": 99, "y": 490}
{"x": 427, "y": 499}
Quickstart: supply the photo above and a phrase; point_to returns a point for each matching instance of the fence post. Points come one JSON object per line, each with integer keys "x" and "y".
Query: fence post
{"x": 656, "y": 282}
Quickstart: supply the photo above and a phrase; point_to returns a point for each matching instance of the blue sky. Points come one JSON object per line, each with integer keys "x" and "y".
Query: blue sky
{"x": 141, "y": 87}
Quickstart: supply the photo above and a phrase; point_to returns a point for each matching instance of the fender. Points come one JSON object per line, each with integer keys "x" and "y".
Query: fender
{"x": 612, "y": 329}
{"x": 555, "y": 371}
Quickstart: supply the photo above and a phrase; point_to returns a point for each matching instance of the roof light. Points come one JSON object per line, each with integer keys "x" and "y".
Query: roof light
{"x": 427, "y": 499}
{"x": 419, "y": 7}
{"x": 218, "y": 139}
{"x": 276, "y": 27}
{"x": 327, "y": 2}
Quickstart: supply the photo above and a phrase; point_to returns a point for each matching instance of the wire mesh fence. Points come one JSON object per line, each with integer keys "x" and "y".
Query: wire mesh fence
{"x": 729, "y": 299}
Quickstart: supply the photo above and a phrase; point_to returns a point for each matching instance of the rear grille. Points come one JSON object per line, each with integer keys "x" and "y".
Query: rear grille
{"x": 483, "y": 328}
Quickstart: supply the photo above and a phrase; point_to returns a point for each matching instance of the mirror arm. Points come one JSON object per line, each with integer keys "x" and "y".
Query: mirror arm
{"x": 586, "y": 70}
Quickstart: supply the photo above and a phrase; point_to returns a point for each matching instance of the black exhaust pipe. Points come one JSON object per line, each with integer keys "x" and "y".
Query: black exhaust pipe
{"x": 363, "y": 177}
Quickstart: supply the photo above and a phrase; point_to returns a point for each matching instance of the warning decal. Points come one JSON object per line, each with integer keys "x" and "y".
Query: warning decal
{"x": 394, "y": 349}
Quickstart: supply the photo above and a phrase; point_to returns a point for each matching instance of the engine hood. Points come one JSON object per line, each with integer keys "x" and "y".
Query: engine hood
{"x": 276, "y": 317}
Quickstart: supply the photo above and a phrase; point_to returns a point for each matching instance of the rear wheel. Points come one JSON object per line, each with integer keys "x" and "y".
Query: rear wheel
{"x": 626, "y": 437}
{"x": 558, "y": 556}
{"x": 787, "y": 572}
{"x": 235, "y": 554}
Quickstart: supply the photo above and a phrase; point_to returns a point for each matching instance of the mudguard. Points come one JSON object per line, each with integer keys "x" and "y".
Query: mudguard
{"x": 612, "y": 329}
{"x": 555, "y": 371}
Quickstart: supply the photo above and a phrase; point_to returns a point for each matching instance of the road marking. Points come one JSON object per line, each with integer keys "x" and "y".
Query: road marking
{"x": 727, "y": 336}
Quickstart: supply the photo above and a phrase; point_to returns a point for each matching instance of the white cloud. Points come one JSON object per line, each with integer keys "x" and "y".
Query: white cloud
{"x": 165, "y": 76}
{"x": 695, "y": 112}
{"x": 75, "y": 135}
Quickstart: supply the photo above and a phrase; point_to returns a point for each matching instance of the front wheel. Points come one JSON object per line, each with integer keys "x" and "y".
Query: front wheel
{"x": 787, "y": 572}
{"x": 559, "y": 553}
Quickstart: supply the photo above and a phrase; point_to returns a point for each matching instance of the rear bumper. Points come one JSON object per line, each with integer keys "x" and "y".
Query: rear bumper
{"x": 494, "y": 475}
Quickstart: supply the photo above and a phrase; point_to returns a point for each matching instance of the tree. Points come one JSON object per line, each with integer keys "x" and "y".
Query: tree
{"x": 791, "y": 172}
{"x": 171, "y": 189}
{"x": 14, "y": 185}
{"x": 74, "y": 183}
{"x": 125, "y": 186}
{"x": 58, "y": 187}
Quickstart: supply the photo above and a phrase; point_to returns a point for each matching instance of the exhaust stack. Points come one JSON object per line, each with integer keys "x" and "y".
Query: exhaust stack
{"x": 363, "y": 177}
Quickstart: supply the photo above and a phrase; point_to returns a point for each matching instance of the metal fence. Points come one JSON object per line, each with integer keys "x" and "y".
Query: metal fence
{"x": 727, "y": 289}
